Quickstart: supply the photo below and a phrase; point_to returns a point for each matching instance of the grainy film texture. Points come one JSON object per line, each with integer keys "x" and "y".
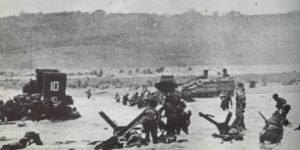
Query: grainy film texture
{"x": 150, "y": 74}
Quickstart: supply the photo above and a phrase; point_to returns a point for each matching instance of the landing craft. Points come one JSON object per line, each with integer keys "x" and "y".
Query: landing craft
{"x": 49, "y": 83}
{"x": 45, "y": 97}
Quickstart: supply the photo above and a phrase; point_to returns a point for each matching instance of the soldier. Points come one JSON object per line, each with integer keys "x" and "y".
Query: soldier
{"x": 48, "y": 105}
{"x": 117, "y": 97}
{"x": 150, "y": 121}
{"x": 2, "y": 111}
{"x": 28, "y": 139}
{"x": 133, "y": 99}
{"x": 298, "y": 128}
{"x": 183, "y": 118}
{"x": 226, "y": 100}
{"x": 240, "y": 109}
{"x": 125, "y": 99}
{"x": 273, "y": 130}
{"x": 180, "y": 113}
{"x": 140, "y": 102}
{"x": 281, "y": 105}
{"x": 135, "y": 96}
{"x": 170, "y": 108}
{"x": 134, "y": 138}
{"x": 11, "y": 110}
{"x": 89, "y": 93}
{"x": 36, "y": 110}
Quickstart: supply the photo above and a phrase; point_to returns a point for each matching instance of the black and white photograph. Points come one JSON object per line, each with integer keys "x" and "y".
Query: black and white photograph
{"x": 149, "y": 74}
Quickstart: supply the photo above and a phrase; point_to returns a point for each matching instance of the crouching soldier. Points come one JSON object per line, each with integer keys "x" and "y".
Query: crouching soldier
{"x": 28, "y": 139}
{"x": 36, "y": 110}
{"x": 273, "y": 129}
{"x": 150, "y": 121}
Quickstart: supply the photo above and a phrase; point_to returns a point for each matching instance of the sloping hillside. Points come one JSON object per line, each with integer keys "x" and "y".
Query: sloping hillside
{"x": 75, "y": 39}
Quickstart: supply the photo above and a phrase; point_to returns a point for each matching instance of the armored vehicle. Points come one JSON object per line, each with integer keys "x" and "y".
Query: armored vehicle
{"x": 205, "y": 86}
{"x": 202, "y": 86}
{"x": 50, "y": 84}
{"x": 43, "y": 98}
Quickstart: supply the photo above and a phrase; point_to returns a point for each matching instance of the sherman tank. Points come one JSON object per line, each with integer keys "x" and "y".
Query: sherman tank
{"x": 43, "y": 98}
{"x": 203, "y": 86}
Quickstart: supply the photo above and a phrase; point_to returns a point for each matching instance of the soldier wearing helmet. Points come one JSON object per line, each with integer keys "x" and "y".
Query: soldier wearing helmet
{"x": 150, "y": 121}
{"x": 282, "y": 107}
{"x": 2, "y": 111}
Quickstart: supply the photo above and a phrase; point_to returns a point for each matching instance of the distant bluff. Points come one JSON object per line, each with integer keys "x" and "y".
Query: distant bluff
{"x": 77, "y": 39}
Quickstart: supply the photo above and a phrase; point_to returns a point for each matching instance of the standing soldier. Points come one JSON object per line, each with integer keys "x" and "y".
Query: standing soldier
{"x": 240, "y": 109}
{"x": 226, "y": 100}
{"x": 170, "y": 108}
{"x": 2, "y": 111}
{"x": 117, "y": 97}
{"x": 150, "y": 121}
{"x": 125, "y": 99}
{"x": 181, "y": 116}
{"x": 89, "y": 93}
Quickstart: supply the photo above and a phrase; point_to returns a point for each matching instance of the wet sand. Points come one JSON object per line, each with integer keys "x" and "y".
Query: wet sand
{"x": 92, "y": 127}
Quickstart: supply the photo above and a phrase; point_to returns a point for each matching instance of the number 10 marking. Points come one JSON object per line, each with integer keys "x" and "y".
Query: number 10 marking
{"x": 54, "y": 86}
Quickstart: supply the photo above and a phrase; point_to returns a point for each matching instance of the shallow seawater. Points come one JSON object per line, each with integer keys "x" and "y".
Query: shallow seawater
{"x": 91, "y": 127}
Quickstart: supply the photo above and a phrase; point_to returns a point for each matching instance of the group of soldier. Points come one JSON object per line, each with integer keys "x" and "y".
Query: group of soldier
{"x": 170, "y": 119}
{"x": 240, "y": 106}
{"x": 140, "y": 100}
{"x": 32, "y": 107}
{"x": 273, "y": 129}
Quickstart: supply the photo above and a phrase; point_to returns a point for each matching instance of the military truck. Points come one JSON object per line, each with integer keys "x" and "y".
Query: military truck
{"x": 43, "y": 98}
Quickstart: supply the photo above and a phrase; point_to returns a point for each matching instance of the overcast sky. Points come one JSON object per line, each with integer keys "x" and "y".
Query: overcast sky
{"x": 250, "y": 7}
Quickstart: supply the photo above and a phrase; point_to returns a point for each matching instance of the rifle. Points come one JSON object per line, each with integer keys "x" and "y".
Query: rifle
{"x": 266, "y": 121}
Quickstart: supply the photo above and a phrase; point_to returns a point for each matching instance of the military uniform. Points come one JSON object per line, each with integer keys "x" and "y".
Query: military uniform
{"x": 125, "y": 99}
{"x": 2, "y": 111}
{"x": 273, "y": 129}
{"x": 181, "y": 115}
{"x": 149, "y": 122}
{"x": 36, "y": 110}
{"x": 240, "y": 109}
{"x": 226, "y": 100}
{"x": 117, "y": 97}
{"x": 89, "y": 93}
{"x": 170, "y": 108}
{"x": 281, "y": 105}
